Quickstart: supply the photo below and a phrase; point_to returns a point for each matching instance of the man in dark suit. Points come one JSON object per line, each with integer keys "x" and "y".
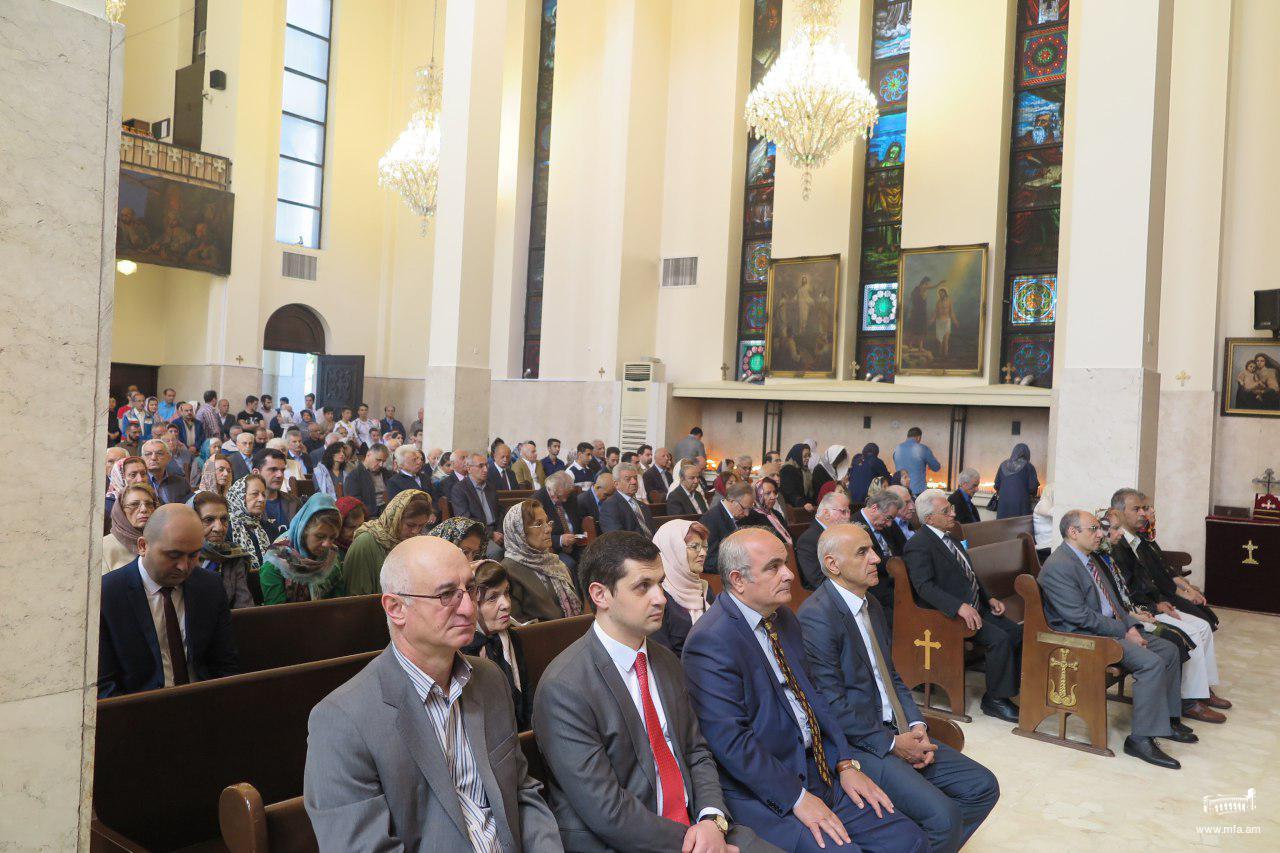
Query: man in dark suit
{"x": 723, "y": 518}
{"x": 413, "y": 472}
{"x": 905, "y": 523}
{"x": 389, "y": 423}
{"x": 476, "y": 498}
{"x": 962, "y": 497}
{"x": 687, "y": 498}
{"x": 169, "y": 487}
{"x": 658, "y": 476}
{"x": 943, "y": 578}
{"x": 832, "y": 509}
{"x": 500, "y": 473}
{"x": 785, "y": 767}
{"x": 418, "y": 751}
{"x": 623, "y": 511}
{"x": 876, "y": 517}
{"x": 1078, "y": 598}
{"x": 240, "y": 455}
{"x": 659, "y": 788}
{"x": 590, "y": 501}
{"x": 163, "y": 622}
{"x": 360, "y": 481}
{"x": 565, "y": 515}
{"x": 848, "y": 644}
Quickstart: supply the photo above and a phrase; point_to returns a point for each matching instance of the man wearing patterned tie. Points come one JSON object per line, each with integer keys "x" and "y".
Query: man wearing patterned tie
{"x": 623, "y": 511}
{"x": 786, "y": 769}
{"x": 654, "y": 788}
{"x": 943, "y": 578}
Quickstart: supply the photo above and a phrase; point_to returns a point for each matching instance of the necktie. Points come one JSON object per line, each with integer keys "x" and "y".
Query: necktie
{"x": 564, "y": 519}
{"x": 819, "y": 754}
{"x": 698, "y": 500}
{"x": 968, "y": 570}
{"x": 674, "y": 805}
{"x": 173, "y": 637}
{"x": 1108, "y": 603}
{"x": 635, "y": 508}
{"x": 899, "y": 714}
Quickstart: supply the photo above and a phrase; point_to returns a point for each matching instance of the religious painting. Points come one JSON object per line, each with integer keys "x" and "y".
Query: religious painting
{"x": 1251, "y": 380}
{"x": 1037, "y": 116}
{"x": 875, "y": 359}
{"x": 803, "y": 307}
{"x": 1043, "y": 11}
{"x": 751, "y": 361}
{"x": 1033, "y": 239}
{"x": 766, "y": 39}
{"x": 880, "y": 247}
{"x": 755, "y": 261}
{"x": 1042, "y": 56}
{"x": 887, "y": 145}
{"x": 1037, "y": 178}
{"x": 941, "y": 302}
{"x": 880, "y": 306}
{"x": 890, "y": 85}
{"x": 173, "y": 223}
{"x": 759, "y": 212}
{"x": 882, "y": 201}
{"x": 891, "y": 29}
{"x": 761, "y": 161}
{"x": 1033, "y": 300}
{"x": 754, "y": 313}
{"x": 1031, "y": 360}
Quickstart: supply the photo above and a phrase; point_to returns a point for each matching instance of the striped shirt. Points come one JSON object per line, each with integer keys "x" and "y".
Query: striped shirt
{"x": 446, "y": 719}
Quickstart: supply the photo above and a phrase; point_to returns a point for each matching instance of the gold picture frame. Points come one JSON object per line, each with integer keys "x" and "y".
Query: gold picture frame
{"x": 803, "y": 324}
{"x": 1255, "y": 395}
{"x": 953, "y": 343}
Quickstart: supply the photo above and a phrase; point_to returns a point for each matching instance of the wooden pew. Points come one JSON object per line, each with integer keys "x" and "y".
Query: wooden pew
{"x": 508, "y": 498}
{"x": 443, "y": 510}
{"x": 304, "y": 488}
{"x": 657, "y": 502}
{"x": 998, "y": 565}
{"x": 542, "y": 641}
{"x": 250, "y": 827}
{"x": 1000, "y": 530}
{"x": 287, "y": 634}
{"x": 659, "y": 520}
{"x": 928, "y": 646}
{"x": 589, "y": 529}
{"x": 163, "y": 757}
{"x": 1062, "y": 674}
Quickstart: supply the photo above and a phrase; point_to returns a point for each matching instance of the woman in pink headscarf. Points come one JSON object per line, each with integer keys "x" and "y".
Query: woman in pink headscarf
{"x": 766, "y": 512}
{"x": 683, "y": 545}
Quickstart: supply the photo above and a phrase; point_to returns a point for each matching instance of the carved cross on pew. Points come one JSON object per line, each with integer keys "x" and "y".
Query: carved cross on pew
{"x": 929, "y": 644}
{"x": 1058, "y": 693}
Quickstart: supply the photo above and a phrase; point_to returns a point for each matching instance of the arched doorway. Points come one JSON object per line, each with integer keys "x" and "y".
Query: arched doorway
{"x": 292, "y": 343}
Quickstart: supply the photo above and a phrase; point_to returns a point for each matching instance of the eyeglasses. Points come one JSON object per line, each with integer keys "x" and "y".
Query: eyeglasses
{"x": 697, "y": 547}
{"x": 136, "y": 505}
{"x": 450, "y": 599}
{"x": 537, "y": 525}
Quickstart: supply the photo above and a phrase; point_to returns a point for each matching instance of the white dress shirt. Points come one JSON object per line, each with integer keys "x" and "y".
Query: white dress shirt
{"x": 155, "y": 603}
{"x": 533, "y": 471}
{"x": 858, "y": 606}
{"x": 624, "y": 658}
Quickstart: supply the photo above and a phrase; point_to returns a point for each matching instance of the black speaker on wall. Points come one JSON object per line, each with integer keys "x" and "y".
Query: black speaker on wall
{"x": 1266, "y": 311}
{"x": 217, "y": 80}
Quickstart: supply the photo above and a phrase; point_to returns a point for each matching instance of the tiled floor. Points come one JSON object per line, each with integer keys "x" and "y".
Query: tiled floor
{"x": 1061, "y": 799}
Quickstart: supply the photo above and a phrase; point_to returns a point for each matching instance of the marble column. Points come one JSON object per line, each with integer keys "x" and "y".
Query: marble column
{"x": 457, "y": 380}
{"x": 59, "y": 170}
{"x": 1106, "y": 385}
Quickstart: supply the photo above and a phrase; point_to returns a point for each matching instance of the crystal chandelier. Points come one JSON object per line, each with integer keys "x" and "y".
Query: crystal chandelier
{"x": 115, "y": 10}
{"x": 812, "y": 101}
{"x": 411, "y": 165}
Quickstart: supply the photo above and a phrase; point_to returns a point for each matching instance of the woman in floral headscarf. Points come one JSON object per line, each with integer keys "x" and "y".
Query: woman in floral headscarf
{"x": 542, "y": 588}
{"x": 246, "y": 501}
{"x": 467, "y": 533}
{"x": 407, "y": 515}
{"x": 303, "y": 565}
{"x": 217, "y": 475}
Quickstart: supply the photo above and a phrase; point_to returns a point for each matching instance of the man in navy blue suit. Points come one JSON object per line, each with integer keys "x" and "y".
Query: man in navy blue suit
{"x": 785, "y": 766}
{"x": 624, "y": 511}
{"x": 846, "y": 639}
{"x": 164, "y": 621}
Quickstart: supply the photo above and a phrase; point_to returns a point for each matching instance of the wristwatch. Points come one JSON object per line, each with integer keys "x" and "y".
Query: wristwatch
{"x": 847, "y": 764}
{"x": 719, "y": 820}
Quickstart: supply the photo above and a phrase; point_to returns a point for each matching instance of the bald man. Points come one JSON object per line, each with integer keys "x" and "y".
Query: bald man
{"x": 188, "y": 637}
{"x": 377, "y": 776}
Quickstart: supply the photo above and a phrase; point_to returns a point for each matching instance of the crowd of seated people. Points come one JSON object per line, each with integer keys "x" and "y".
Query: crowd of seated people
{"x": 753, "y": 725}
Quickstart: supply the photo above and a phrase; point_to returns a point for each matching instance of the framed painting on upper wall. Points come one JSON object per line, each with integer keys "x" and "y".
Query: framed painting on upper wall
{"x": 1251, "y": 380}
{"x": 942, "y": 296}
{"x": 803, "y": 317}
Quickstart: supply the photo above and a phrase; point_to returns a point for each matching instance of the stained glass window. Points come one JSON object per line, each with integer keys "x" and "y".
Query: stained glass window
{"x": 1034, "y": 300}
{"x": 1043, "y": 56}
{"x": 1037, "y": 178}
{"x": 881, "y": 247}
{"x": 1043, "y": 12}
{"x": 757, "y": 208}
{"x": 875, "y": 358}
{"x": 888, "y": 143}
{"x": 1037, "y": 116}
{"x": 890, "y": 83}
{"x": 1031, "y": 355}
{"x": 882, "y": 201}
{"x": 880, "y": 307}
{"x": 541, "y": 179}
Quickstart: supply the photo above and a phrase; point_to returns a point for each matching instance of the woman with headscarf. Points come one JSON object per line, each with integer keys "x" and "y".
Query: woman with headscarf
{"x": 797, "y": 479}
{"x": 542, "y": 587}
{"x": 125, "y": 472}
{"x": 1016, "y": 484}
{"x": 211, "y": 448}
{"x": 133, "y": 508}
{"x": 352, "y": 512}
{"x": 683, "y": 545}
{"x": 828, "y": 467}
{"x": 443, "y": 468}
{"x": 494, "y": 639}
{"x": 467, "y": 533}
{"x": 219, "y": 555}
{"x": 302, "y": 564}
{"x": 329, "y": 474}
{"x": 864, "y": 468}
{"x": 408, "y": 514}
{"x": 246, "y": 502}
{"x": 766, "y": 513}
{"x": 216, "y": 476}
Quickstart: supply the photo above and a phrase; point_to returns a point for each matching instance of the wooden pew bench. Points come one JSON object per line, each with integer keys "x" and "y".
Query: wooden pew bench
{"x": 999, "y": 530}
{"x": 288, "y": 634}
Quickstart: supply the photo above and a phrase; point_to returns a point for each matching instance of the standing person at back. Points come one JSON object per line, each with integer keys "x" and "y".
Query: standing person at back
{"x": 1016, "y": 484}
{"x": 912, "y": 456}
{"x": 691, "y": 446}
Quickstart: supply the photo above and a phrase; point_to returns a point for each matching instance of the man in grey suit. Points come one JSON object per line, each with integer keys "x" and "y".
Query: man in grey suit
{"x": 656, "y": 787}
{"x": 419, "y": 751}
{"x": 1079, "y": 598}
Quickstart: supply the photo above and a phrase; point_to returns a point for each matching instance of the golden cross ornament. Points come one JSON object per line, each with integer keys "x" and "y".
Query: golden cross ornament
{"x": 724, "y": 372}
{"x": 1249, "y": 560}
{"x": 1007, "y": 370}
{"x": 929, "y": 644}
{"x": 601, "y": 372}
{"x": 1058, "y": 693}
{"x": 1182, "y": 378}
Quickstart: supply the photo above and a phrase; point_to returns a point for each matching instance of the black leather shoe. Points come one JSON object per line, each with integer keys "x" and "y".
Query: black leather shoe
{"x": 1182, "y": 733}
{"x": 1001, "y": 709}
{"x": 1147, "y": 749}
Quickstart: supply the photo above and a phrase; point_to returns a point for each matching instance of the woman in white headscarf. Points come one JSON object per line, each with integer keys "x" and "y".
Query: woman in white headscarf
{"x": 829, "y": 465}
{"x": 683, "y": 545}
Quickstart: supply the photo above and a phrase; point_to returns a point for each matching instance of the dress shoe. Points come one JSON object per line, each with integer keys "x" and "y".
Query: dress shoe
{"x": 1001, "y": 709}
{"x": 1203, "y": 713}
{"x": 1182, "y": 733}
{"x": 1216, "y": 701}
{"x": 1147, "y": 749}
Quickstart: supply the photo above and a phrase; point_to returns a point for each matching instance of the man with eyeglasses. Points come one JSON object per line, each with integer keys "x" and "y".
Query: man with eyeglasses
{"x": 623, "y": 511}
{"x": 398, "y": 757}
{"x": 832, "y": 509}
{"x": 723, "y": 518}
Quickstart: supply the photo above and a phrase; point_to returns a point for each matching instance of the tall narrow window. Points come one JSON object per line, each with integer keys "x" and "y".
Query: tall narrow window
{"x": 541, "y": 174}
{"x": 757, "y": 214}
{"x": 1035, "y": 193}
{"x": 882, "y": 196}
{"x": 305, "y": 102}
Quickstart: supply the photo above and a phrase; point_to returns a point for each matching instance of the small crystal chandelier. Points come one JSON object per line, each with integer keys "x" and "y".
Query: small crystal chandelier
{"x": 411, "y": 165}
{"x": 812, "y": 101}
{"x": 115, "y": 10}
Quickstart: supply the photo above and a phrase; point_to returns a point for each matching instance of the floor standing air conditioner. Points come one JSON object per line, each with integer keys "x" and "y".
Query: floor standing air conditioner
{"x": 643, "y": 412}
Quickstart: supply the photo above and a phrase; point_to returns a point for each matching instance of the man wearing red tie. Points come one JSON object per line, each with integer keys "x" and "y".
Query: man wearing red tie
{"x": 656, "y": 788}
